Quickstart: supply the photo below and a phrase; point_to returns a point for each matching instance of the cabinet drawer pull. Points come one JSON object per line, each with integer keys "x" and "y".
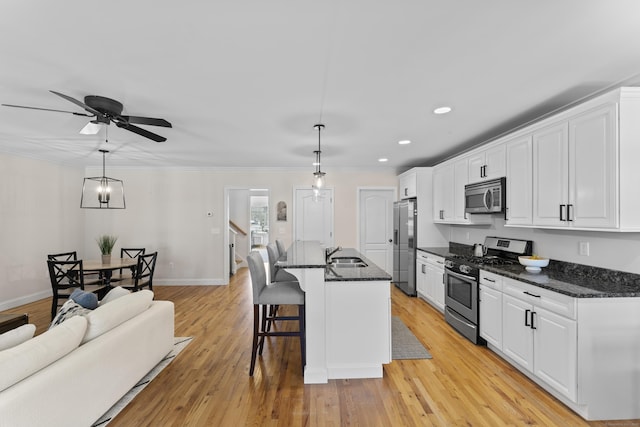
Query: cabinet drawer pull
{"x": 489, "y": 280}
{"x": 532, "y": 295}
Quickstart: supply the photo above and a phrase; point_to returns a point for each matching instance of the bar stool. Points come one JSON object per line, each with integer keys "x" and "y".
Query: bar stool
{"x": 277, "y": 274}
{"x": 277, "y": 293}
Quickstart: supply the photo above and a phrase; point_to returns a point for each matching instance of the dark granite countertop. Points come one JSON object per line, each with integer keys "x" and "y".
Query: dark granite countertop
{"x": 312, "y": 255}
{"x": 354, "y": 274}
{"x": 576, "y": 280}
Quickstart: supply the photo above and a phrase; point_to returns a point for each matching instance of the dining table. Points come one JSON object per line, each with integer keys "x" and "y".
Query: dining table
{"x": 106, "y": 269}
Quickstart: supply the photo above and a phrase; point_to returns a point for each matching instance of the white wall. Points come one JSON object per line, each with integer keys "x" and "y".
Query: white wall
{"x": 616, "y": 251}
{"x": 166, "y": 211}
{"x": 39, "y": 214}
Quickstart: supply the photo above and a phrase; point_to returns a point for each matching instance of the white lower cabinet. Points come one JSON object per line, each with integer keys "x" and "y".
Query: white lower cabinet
{"x": 539, "y": 333}
{"x": 430, "y": 279}
{"x": 491, "y": 308}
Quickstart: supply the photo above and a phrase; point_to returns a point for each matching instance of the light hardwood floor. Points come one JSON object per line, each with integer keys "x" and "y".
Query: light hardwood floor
{"x": 208, "y": 383}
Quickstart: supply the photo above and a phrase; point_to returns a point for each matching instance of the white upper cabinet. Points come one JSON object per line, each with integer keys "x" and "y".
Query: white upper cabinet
{"x": 408, "y": 184}
{"x": 550, "y": 176}
{"x": 487, "y": 164}
{"x": 519, "y": 180}
{"x": 449, "y": 179}
{"x": 575, "y": 171}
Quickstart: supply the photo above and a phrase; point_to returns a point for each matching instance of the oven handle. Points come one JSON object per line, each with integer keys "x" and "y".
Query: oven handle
{"x": 459, "y": 319}
{"x": 461, "y": 276}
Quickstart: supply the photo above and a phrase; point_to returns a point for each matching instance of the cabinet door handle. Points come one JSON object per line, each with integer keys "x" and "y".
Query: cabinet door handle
{"x": 423, "y": 270}
{"x": 526, "y": 318}
{"x": 533, "y": 326}
{"x": 569, "y": 212}
{"x": 405, "y": 192}
{"x": 532, "y": 295}
{"x": 562, "y": 212}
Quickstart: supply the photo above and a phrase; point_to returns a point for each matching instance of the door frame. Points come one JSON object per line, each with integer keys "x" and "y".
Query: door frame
{"x": 359, "y": 191}
{"x": 225, "y": 226}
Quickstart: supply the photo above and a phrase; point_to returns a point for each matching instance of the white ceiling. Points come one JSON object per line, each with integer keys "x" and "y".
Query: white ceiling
{"x": 244, "y": 81}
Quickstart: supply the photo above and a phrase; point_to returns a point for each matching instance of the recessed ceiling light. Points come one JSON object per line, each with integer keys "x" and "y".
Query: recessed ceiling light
{"x": 442, "y": 110}
{"x": 382, "y": 160}
{"x": 404, "y": 142}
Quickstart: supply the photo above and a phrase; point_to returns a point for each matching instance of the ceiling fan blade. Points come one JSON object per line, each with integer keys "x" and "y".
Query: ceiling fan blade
{"x": 78, "y": 103}
{"x": 147, "y": 121}
{"x": 140, "y": 131}
{"x": 48, "y": 109}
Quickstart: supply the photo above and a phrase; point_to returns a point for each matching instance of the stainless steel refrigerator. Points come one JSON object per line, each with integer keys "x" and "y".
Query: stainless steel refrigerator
{"x": 404, "y": 245}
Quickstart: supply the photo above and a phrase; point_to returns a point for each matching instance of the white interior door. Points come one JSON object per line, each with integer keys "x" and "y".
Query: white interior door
{"x": 376, "y": 226}
{"x": 313, "y": 215}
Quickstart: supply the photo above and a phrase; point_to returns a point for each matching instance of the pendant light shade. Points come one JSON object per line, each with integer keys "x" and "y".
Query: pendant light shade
{"x": 318, "y": 175}
{"x": 102, "y": 192}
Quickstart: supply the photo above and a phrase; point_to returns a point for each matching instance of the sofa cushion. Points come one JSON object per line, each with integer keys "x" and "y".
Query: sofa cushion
{"x": 86, "y": 299}
{"x": 21, "y": 361}
{"x": 114, "y": 294}
{"x": 69, "y": 309}
{"x": 108, "y": 316}
{"x": 16, "y": 336}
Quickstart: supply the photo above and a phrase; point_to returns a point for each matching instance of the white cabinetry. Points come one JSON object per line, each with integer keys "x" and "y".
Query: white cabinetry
{"x": 487, "y": 164}
{"x": 575, "y": 171}
{"x": 449, "y": 180}
{"x": 559, "y": 342}
{"x": 408, "y": 184}
{"x": 418, "y": 183}
{"x": 519, "y": 181}
{"x": 430, "y": 279}
{"x": 491, "y": 308}
{"x": 540, "y": 334}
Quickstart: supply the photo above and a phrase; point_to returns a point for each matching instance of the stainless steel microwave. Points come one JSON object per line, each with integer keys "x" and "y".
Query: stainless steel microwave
{"x": 485, "y": 197}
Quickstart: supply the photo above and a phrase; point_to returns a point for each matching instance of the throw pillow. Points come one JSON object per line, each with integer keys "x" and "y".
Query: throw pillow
{"x": 23, "y": 360}
{"x": 69, "y": 309}
{"x": 86, "y": 299}
{"x": 16, "y": 336}
{"x": 113, "y": 294}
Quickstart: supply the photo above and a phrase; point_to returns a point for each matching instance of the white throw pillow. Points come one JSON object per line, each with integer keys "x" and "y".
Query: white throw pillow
{"x": 108, "y": 316}
{"x": 16, "y": 336}
{"x": 114, "y": 294}
{"x": 21, "y": 361}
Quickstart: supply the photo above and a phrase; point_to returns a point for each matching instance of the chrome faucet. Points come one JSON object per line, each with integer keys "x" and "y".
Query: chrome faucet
{"x": 328, "y": 252}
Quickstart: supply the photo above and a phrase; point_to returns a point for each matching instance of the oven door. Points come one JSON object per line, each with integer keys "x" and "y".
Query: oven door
{"x": 462, "y": 294}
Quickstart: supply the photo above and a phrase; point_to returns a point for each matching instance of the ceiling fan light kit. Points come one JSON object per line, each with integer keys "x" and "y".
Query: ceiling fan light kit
{"x": 105, "y": 111}
{"x": 102, "y": 192}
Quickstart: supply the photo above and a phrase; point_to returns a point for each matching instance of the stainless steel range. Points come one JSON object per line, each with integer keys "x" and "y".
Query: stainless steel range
{"x": 461, "y": 280}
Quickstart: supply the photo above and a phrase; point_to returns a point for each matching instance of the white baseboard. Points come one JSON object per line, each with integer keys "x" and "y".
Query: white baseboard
{"x": 26, "y": 299}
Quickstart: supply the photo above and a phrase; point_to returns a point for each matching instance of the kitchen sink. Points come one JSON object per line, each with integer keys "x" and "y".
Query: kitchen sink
{"x": 347, "y": 262}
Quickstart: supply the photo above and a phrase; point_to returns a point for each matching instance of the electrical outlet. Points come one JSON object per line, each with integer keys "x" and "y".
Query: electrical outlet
{"x": 584, "y": 248}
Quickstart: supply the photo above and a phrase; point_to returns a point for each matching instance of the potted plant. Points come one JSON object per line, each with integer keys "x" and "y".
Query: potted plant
{"x": 106, "y": 242}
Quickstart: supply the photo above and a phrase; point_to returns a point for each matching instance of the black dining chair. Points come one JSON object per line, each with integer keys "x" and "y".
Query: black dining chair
{"x": 89, "y": 278}
{"x": 66, "y": 276}
{"x": 127, "y": 273}
{"x": 142, "y": 274}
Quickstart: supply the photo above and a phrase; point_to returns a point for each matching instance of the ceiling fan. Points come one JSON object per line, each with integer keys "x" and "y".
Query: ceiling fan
{"x": 104, "y": 111}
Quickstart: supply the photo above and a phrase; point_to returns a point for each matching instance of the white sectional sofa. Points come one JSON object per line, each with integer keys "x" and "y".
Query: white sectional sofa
{"x": 73, "y": 373}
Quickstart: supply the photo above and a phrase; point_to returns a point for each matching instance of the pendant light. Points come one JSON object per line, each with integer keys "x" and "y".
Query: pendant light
{"x": 318, "y": 174}
{"x": 102, "y": 192}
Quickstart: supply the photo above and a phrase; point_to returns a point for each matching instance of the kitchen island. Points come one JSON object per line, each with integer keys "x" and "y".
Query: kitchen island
{"x": 348, "y": 313}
